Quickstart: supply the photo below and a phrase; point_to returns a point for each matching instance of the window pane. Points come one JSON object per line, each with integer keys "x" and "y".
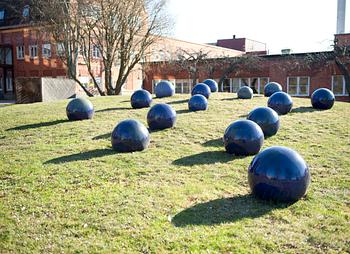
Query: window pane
{"x": 245, "y": 82}
{"x": 303, "y": 86}
{"x": 338, "y": 84}
{"x": 292, "y": 86}
{"x": 226, "y": 85}
{"x": 178, "y": 87}
{"x": 263, "y": 82}
{"x": 186, "y": 87}
{"x": 235, "y": 85}
{"x": 8, "y": 53}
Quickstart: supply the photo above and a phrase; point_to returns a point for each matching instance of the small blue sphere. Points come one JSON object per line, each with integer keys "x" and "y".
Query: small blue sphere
{"x": 202, "y": 89}
{"x": 212, "y": 85}
{"x": 130, "y": 136}
{"x": 161, "y": 116}
{"x": 197, "y": 102}
{"x": 271, "y": 88}
{"x": 281, "y": 102}
{"x": 278, "y": 173}
{"x": 141, "y": 99}
{"x": 79, "y": 109}
{"x": 245, "y": 92}
{"x": 267, "y": 119}
{"x": 164, "y": 89}
{"x": 322, "y": 98}
{"x": 243, "y": 137}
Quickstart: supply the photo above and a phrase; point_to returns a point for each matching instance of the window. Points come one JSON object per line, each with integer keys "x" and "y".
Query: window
{"x": 9, "y": 86}
{"x": 182, "y": 86}
{"x": 33, "y": 51}
{"x": 298, "y": 86}
{"x": 1, "y": 82}
{"x": 96, "y": 52}
{"x": 258, "y": 84}
{"x": 20, "y": 52}
{"x": 8, "y": 56}
{"x": 47, "y": 50}
{"x": 338, "y": 85}
{"x": 2, "y": 15}
{"x": 60, "y": 49}
{"x": 25, "y": 12}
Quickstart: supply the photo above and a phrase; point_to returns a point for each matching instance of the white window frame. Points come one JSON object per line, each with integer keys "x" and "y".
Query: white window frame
{"x": 344, "y": 87}
{"x": 33, "y": 49}
{"x": 9, "y": 82}
{"x": 298, "y": 86}
{"x": 20, "y": 52}
{"x": 182, "y": 81}
{"x": 96, "y": 53}
{"x": 46, "y": 50}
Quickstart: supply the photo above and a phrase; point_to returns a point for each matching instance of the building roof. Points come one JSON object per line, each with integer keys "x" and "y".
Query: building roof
{"x": 14, "y": 13}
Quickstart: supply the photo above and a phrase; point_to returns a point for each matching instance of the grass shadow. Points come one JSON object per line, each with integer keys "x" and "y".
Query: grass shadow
{"x": 183, "y": 111}
{"x": 204, "y": 158}
{"x": 103, "y": 136}
{"x": 113, "y": 109}
{"x": 214, "y": 143}
{"x": 177, "y": 102}
{"x": 38, "y": 125}
{"x": 225, "y": 210}
{"x": 97, "y": 153}
{"x": 230, "y": 99}
{"x": 304, "y": 110}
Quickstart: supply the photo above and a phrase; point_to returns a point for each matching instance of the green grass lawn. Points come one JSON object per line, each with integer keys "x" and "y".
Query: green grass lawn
{"x": 64, "y": 190}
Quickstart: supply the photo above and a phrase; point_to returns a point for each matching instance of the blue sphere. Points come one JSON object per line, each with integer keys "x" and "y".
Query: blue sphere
{"x": 281, "y": 102}
{"x": 245, "y": 92}
{"x": 130, "y": 136}
{"x": 79, "y": 109}
{"x": 271, "y": 88}
{"x": 243, "y": 137}
{"x": 267, "y": 119}
{"x": 161, "y": 116}
{"x": 141, "y": 99}
{"x": 212, "y": 85}
{"x": 202, "y": 89}
{"x": 278, "y": 173}
{"x": 197, "y": 102}
{"x": 164, "y": 89}
{"x": 322, "y": 98}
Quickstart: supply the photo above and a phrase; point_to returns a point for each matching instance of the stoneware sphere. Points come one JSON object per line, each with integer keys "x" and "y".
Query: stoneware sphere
{"x": 281, "y": 102}
{"x": 278, "y": 173}
{"x": 245, "y": 92}
{"x": 243, "y": 137}
{"x": 161, "y": 116}
{"x": 271, "y": 88}
{"x": 79, "y": 109}
{"x": 129, "y": 136}
{"x": 212, "y": 85}
{"x": 322, "y": 98}
{"x": 267, "y": 119}
{"x": 141, "y": 99}
{"x": 202, "y": 89}
{"x": 198, "y": 102}
{"x": 164, "y": 89}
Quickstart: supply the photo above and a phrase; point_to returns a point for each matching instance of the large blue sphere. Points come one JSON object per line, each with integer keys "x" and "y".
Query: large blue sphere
{"x": 141, "y": 99}
{"x": 243, "y": 137}
{"x": 130, "y": 136}
{"x": 245, "y": 92}
{"x": 212, "y": 85}
{"x": 79, "y": 109}
{"x": 267, "y": 119}
{"x": 271, "y": 88}
{"x": 161, "y": 116}
{"x": 322, "y": 98}
{"x": 281, "y": 102}
{"x": 278, "y": 173}
{"x": 202, "y": 89}
{"x": 197, "y": 102}
{"x": 164, "y": 89}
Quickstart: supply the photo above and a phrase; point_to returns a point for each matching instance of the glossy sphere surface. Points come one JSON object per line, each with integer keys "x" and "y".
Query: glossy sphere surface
{"x": 164, "y": 89}
{"x": 79, "y": 109}
{"x": 281, "y": 102}
{"x": 267, "y": 119}
{"x": 271, "y": 88}
{"x": 243, "y": 137}
{"x": 212, "y": 85}
{"x": 161, "y": 116}
{"x": 245, "y": 92}
{"x": 197, "y": 102}
{"x": 141, "y": 99}
{"x": 322, "y": 98}
{"x": 202, "y": 89}
{"x": 278, "y": 173}
{"x": 130, "y": 136}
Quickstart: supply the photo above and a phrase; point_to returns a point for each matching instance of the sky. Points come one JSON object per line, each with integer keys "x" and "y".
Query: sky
{"x": 300, "y": 25}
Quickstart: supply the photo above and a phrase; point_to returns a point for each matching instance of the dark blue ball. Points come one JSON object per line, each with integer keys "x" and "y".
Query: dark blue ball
{"x": 161, "y": 116}
{"x": 322, "y": 98}
{"x": 141, "y": 99}
{"x": 243, "y": 137}
{"x": 267, "y": 119}
{"x": 79, "y": 109}
{"x": 202, "y": 89}
{"x": 278, "y": 173}
{"x": 245, "y": 92}
{"x": 271, "y": 88}
{"x": 281, "y": 102}
{"x": 197, "y": 102}
{"x": 130, "y": 136}
{"x": 164, "y": 89}
{"x": 212, "y": 85}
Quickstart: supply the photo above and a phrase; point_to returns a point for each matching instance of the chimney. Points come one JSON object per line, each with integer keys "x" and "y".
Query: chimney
{"x": 341, "y": 16}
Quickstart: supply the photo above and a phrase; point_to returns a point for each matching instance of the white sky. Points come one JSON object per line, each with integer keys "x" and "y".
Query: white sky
{"x": 301, "y": 25}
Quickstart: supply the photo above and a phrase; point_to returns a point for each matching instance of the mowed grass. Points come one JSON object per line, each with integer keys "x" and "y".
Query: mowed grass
{"x": 64, "y": 190}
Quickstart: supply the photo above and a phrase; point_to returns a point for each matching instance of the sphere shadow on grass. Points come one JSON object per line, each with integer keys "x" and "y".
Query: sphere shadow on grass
{"x": 304, "y": 110}
{"x": 210, "y": 157}
{"x": 38, "y": 125}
